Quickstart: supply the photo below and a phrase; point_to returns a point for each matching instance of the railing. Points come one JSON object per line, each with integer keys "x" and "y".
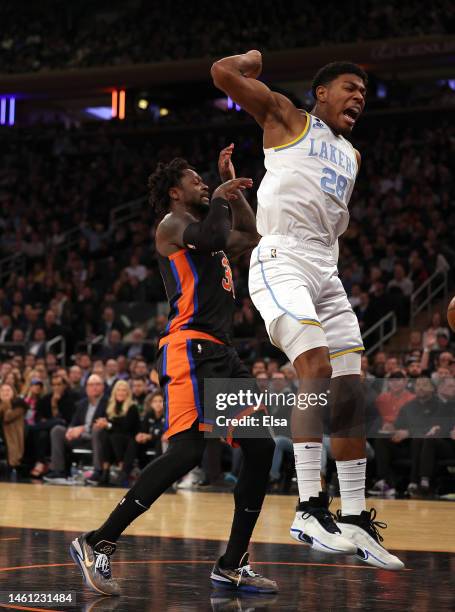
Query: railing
{"x": 120, "y": 214}
{"x": 11, "y": 264}
{"x": 60, "y": 343}
{"x": 125, "y": 212}
{"x": 94, "y": 342}
{"x": 385, "y": 327}
{"x": 21, "y": 348}
{"x": 424, "y": 296}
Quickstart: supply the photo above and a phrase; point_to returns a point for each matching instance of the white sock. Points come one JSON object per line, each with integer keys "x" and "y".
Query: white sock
{"x": 351, "y": 476}
{"x": 308, "y": 467}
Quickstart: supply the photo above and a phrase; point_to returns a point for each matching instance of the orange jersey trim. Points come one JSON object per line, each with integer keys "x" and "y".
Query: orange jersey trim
{"x": 182, "y": 335}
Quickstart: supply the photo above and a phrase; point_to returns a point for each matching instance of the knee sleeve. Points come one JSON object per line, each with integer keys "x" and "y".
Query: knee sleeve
{"x": 346, "y": 364}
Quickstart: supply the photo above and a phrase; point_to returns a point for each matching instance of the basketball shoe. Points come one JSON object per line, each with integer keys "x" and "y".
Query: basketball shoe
{"x": 315, "y": 526}
{"x": 95, "y": 564}
{"x": 242, "y": 578}
{"x": 362, "y": 531}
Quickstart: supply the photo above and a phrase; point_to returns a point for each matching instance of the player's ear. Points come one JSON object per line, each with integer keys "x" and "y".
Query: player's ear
{"x": 321, "y": 93}
{"x": 174, "y": 193}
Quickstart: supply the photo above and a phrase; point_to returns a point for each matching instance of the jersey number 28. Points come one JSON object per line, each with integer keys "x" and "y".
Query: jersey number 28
{"x": 334, "y": 183}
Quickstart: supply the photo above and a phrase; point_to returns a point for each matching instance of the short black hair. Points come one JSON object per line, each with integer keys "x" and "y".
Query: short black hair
{"x": 330, "y": 72}
{"x": 165, "y": 177}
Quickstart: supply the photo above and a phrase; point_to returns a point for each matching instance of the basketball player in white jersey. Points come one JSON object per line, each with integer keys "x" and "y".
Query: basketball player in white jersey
{"x": 302, "y": 210}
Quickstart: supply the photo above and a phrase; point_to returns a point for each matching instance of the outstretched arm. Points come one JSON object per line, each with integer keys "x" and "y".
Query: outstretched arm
{"x": 237, "y": 77}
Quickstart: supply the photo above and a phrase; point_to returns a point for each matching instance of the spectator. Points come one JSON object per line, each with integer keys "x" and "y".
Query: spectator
{"x": 151, "y": 431}
{"x": 417, "y": 419}
{"x": 111, "y": 372}
{"x": 391, "y": 401}
{"x": 400, "y": 281}
{"x": 38, "y": 345}
{"x": 434, "y": 328}
{"x": 12, "y": 411}
{"x": 118, "y": 427}
{"x": 55, "y": 408}
{"x": 108, "y": 323}
{"x": 75, "y": 379}
{"x": 139, "y": 391}
{"x": 80, "y": 433}
{"x": 441, "y": 445}
{"x": 138, "y": 346}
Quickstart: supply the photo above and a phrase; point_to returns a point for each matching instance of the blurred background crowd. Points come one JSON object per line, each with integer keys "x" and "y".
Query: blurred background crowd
{"x": 82, "y": 303}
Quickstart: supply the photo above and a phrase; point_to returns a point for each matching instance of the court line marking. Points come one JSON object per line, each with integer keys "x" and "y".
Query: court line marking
{"x": 200, "y": 562}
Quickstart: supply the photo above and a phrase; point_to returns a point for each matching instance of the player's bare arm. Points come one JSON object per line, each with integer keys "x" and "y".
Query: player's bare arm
{"x": 238, "y": 76}
{"x": 182, "y": 230}
{"x": 243, "y": 235}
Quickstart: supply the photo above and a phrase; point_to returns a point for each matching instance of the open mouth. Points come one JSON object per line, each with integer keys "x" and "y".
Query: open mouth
{"x": 351, "y": 114}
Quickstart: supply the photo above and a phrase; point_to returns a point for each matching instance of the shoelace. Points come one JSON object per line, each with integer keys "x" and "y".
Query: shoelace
{"x": 103, "y": 565}
{"x": 246, "y": 570}
{"x": 325, "y": 517}
{"x": 372, "y": 526}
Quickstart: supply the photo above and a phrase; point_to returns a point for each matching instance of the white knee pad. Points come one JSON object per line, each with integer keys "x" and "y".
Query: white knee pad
{"x": 350, "y": 363}
{"x": 294, "y": 337}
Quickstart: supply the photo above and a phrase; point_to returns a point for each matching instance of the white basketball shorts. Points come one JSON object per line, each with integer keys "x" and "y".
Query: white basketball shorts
{"x": 300, "y": 280}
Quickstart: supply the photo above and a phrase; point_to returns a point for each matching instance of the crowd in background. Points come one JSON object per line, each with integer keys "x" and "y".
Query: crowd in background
{"x": 75, "y": 35}
{"x": 402, "y": 220}
{"x": 113, "y": 407}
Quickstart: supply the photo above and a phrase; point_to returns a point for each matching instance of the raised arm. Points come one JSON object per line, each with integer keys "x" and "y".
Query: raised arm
{"x": 237, "y": 77}
{"x": 243, "y": 235}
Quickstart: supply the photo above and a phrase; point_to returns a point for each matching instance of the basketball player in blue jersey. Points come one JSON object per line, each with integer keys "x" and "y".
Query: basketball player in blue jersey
{"x": 302, "y": 210}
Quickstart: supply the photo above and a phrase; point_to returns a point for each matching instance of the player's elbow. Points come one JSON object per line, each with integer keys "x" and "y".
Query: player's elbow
{"x": 218, "y": 72}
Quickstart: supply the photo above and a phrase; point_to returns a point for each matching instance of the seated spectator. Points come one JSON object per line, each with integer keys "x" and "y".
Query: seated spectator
{"x": 108, "y": 323}
{"x": 431, "y": 332}
{"x": 114, "y": 346}
{"x": 139, "y": 348}
{"x": 55, "y": 408}
{"x": 150, "y": 434}
{"x": 111, "y": 374}
{"x": 80, "y": 433}
{"x": 136, "y": 269}
{"x": 413, "y": 372}
{"x": 431, "y": 359}
{"x": 139, "y": 390}
{"x": 37, "y": 346}
{"x": 416, "y": 420}
{"x": 12, "y": 412}
{"x": 32, "y": 393}
{"x": 390, "y": 402}
{"x": 119, "y": 426}
{"x": 440, "y": 445}
{"x": 75, "y": 378}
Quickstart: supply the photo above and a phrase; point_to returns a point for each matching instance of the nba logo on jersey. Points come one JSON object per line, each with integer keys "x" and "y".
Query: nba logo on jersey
{"x": 317, "y": 124}
{"x": 273, "y": 253}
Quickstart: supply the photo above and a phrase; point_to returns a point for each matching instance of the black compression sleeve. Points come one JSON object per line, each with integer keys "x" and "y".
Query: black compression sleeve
{"x": 212, "y": 233}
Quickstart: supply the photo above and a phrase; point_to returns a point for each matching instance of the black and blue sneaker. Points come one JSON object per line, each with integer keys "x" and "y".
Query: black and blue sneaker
{"x": 242, "y": 578}
{"x": 95, "y": 564}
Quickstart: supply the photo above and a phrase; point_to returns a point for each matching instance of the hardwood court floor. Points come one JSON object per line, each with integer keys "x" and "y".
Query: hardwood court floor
{"x": 166, "y": 564}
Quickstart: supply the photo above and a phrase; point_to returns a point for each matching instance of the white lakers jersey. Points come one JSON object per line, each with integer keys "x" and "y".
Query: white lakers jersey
{"x": 307, "y": 187}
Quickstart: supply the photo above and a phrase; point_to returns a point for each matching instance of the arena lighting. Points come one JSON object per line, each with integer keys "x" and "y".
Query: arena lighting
{"x": 3, "y": 111}
{"x": 164, "y": 112}
{"x": 100, "y": 112}
{"x": 121, "y": 104}
{"x": 231, "y": 104}
{"x": 143, "y": 104}
{"x": 12, "y": 111}
{"x": 114, "y": 103}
